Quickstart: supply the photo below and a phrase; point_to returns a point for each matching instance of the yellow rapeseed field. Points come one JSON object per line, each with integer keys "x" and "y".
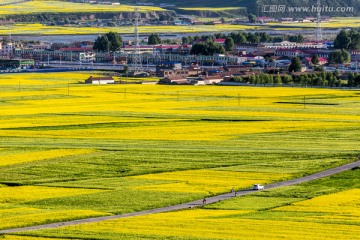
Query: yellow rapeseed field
{"x": 39, "y": 96}
{"x": 114, "y": 136}
{"x": 183, "y": 131}
{"x": 37, "y": 28}
{"x": 40, "y": 6}
{"x": 219, "y": 224}
{"x": 31, "y": 193}
{"x": 40, "y": 155}
{"x": 350, "y": 22}
{"x": 207, "y": 181}
{"x": 345, "y": 203}
{"x": 14, "y": 237}
{"x": 19, "y": 217}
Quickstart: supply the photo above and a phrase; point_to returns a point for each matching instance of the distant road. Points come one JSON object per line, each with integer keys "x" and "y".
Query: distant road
{"x": 193, "y": 204}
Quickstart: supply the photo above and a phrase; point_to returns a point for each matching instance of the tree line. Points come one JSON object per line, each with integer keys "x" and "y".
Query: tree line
{"x": 243, "y": 37}
{"x": 331, "y": 79}
{"x": 347, "y": 40}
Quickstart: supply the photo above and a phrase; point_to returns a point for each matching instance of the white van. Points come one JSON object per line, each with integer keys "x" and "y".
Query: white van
{"x": 258, "y": 187}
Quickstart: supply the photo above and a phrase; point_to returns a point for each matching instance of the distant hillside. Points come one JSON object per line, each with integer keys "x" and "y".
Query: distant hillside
{"x": 260, "y": 7}
{"x": 198, "y": 3}
{"x": 263, "y": 8}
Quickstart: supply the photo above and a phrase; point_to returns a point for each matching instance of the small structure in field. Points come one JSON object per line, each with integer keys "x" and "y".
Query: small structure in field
{"x": 99, "y": 80}
{"x": 177, "y": 80}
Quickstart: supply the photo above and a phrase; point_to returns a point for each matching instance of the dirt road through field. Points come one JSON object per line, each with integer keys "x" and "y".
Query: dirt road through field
{"x": 193, "y": 204}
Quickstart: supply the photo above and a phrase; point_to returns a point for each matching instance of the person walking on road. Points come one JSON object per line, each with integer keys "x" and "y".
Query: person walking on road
{"x": 204, "y": 201}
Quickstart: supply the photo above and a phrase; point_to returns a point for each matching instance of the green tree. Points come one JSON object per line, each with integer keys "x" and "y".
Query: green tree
{"x": 351, "y": 80}
{"x": 185, "y": 40}
{"x": 115, "y": 40}
{"x": 237, "y": 79}
{"x": 287, "y": 79}
{"x": 297, "y": 38}
{"x": 102, "y": 44}
{"x": 253, "y": 38}
{"x": 251, "y": 79}
{"x": 342, "y": 40}
{"x": 252, "y": 18}
{"x": 315, "y": 59}
{"x": 339, "y": 57}
{"x": 154, "y": 39}
{"x": 109, "y": 42}
{"x": 126, "y": 70}
{"x": 295, "y": 65}
{"x": 277, "y": 79}
{"x": 355, "y": 40}
{"x": 209, "y": 48}
{"x": 241, "y": 38}
{"x": 229, "y": 44}
{"x": 357, "y": 81}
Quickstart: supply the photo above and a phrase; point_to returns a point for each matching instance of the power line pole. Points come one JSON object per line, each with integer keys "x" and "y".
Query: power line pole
{"x": 137, "y": 56}
{"x": 318, "y": 33}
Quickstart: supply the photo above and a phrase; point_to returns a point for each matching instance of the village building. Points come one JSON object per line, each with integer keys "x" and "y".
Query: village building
{"x": 307, "y": 61}
{"x": 209, "y": 79}
{"x": 164, "y": 69}
{"x": 142, "y": 49}
{"x": 294, "y": 45}
{"x": 176, "y": 80}
{"x": 250, "y": 47}
{"x": 172, "y": 48}
{"x": 355, "y": 55}
{"x": 7, "y": 49}
{"x": 75, "y": 49}
{"x": 99, "y": 80}
{"x": 220, "y": 41}
{"x": 290, "y": 53}
{"x": 40, "y": 47}
{"x": 194, "y": 69}
{"x": 17, "y": 63}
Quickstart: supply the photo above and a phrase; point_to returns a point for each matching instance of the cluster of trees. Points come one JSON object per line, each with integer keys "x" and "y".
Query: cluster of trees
{"x": 111, "y": 41}
{"x": 154, "y": 39}
{"x": 354, "y": 79}
{"x": 348, "y": 40}
{"x": 296, "y": 38}
{"x": 313, "y": 79}
{"x": 339, "y": 56}
{"x": 243, "y": 37}
{"x": 252, "y": 18}
{"x": 237, "y": 37}
{"x": 295, "y": 65}
{"x": 207, "y": 48}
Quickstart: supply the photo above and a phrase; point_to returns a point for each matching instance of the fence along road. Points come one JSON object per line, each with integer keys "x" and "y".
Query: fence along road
{"x": 193, "y": 204}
